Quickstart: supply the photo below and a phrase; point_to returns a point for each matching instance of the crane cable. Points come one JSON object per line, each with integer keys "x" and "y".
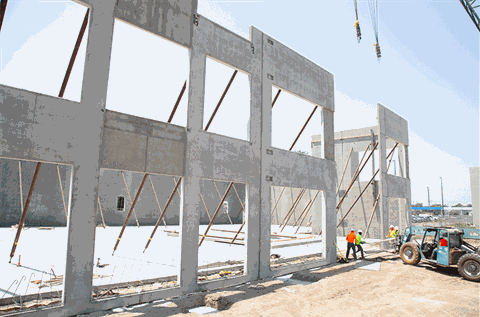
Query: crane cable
{"x": 357, "y": 24}
{"x": 373, "y": 5}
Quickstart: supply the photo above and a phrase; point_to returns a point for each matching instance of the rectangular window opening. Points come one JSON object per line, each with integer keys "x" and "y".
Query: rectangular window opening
{"x": 148, "y": 75}
{"x": 38, "y": 255}
{"x": 35, "y": 56}
{"x": 394, "y": 168}
{"x": 135, "y": 265}
{"x": 222, "y": 231}
{"x": 290, "y": 113}
{"x": 296, "y": 234}
{"x": 232, "y": 117}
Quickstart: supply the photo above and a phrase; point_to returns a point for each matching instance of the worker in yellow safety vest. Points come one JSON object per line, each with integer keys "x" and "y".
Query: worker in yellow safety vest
{"x": 359, "y": 243}
{"x": 391, "y": 232}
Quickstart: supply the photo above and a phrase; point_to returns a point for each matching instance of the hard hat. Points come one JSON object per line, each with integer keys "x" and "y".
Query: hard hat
{"x": 352, "y": 229}
{"x": 396, "y": 228}
{"x": 391, "y": 226}
{"x": 360, "y": 231}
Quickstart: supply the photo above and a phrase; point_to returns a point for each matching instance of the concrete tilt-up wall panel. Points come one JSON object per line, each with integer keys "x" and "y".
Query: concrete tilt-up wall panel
{"x": 88, "y": 147}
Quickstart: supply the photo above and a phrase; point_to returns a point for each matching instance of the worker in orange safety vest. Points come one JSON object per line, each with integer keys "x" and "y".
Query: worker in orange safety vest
{"x": 351, "y": 241}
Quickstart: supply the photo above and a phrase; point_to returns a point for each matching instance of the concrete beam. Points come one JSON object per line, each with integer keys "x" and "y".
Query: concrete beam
{"x": 172, "y": 20}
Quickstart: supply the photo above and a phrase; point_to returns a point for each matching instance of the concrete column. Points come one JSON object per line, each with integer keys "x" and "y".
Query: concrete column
{"x": 475, "y": 192}
{"x": 81, "y": 222}
{"x": 407, "y": 162}
{"x": 67, "y": 188}
{"x": 328, "y": 141}
{"x": 266, "y": 161}
{"x": 329, "y": 216}
{"x": 401, "y": 160}
{"x": 329, "y": 223}
{"x": 373, "y": 156}
{"x": 190, "y": 215}
{"x": 97, "y": 58}
{"x": 383, "y": 202}
{"x": 252, "y": 192}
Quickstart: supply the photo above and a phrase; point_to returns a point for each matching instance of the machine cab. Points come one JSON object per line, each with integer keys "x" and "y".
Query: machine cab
{"x": 441, "y": 245}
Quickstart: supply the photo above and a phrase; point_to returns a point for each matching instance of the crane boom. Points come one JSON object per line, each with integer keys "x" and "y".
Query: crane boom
{"x": 470, "y": 8}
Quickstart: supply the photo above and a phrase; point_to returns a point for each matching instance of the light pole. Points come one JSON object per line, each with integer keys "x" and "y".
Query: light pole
{"x": 441, "y": 184}
{"x": 428, "y": 193}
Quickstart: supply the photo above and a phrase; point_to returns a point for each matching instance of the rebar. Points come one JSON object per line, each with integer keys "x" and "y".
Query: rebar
{"x": 28, "y": 285}
{"x": 15, "y": 293}
{"x": 9, "y": 288}
{"x": 113, "y": 274}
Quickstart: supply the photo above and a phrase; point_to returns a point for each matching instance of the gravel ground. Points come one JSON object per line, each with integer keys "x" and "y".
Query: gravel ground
{"x": 348, "y": 289}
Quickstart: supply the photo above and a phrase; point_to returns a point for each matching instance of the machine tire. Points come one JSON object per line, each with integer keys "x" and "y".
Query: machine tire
{"x": 410, "y": 254}
{"x": 469, "y": 267}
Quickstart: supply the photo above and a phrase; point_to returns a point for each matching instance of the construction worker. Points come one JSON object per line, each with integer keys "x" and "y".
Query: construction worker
{"x": 360, "y": 242}
{"x": 443, "y": 241}
{"x": 391, "y": 235}
{"x": 391, "y": 232}
{"x": 351, "y": 241}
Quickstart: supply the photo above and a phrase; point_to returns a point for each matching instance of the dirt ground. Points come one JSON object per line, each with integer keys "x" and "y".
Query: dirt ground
{"x": 339, "y": 290}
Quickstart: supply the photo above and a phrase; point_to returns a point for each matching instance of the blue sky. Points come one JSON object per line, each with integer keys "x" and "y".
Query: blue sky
{"x": 429, "y": 72}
